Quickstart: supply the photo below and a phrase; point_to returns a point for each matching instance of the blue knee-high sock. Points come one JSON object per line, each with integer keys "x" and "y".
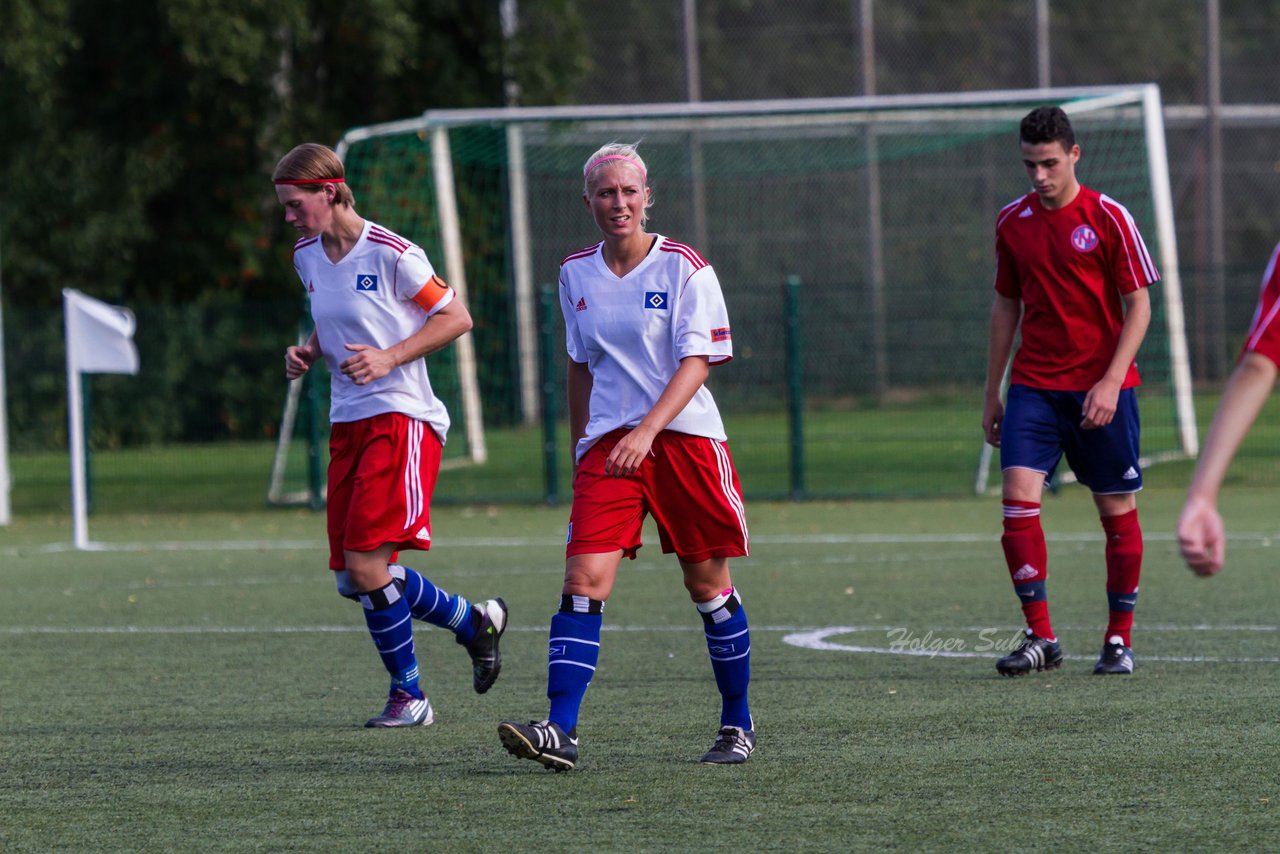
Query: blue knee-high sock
{"x": 387, "y": 614}
{"x": 573, "y": 651}
{"x": 433, "y": 605}
{"x": 729, "y": 644}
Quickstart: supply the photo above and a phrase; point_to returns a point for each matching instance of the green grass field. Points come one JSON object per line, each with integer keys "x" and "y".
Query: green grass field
{"x": 196, "y": 685}
{"x": 925, "y": 448}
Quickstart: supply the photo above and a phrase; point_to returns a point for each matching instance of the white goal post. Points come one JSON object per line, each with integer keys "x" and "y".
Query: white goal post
{"x": 455, "y": 270}
{"x": 893, "y": 267}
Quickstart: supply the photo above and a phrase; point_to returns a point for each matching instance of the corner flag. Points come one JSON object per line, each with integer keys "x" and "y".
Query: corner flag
{"x": 99, "y": 341}
{"x": 99, "y": 336}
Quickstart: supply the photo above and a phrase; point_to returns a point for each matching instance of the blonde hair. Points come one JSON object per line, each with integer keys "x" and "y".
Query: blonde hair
{"x": 314, "y": 162}
{"x": 619, "y": 151}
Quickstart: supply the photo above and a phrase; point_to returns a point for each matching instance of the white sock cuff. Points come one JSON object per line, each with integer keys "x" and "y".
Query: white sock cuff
{"x": 718, "y": 602}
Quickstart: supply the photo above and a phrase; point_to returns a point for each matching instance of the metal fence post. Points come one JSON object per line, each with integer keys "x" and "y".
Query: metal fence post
{"x": 311, "y": 423}
{"x": 795, "y": 387}
{"x": 546, "y": 350}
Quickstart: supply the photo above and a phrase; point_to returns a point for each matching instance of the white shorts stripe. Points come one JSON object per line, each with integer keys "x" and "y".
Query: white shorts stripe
{"x": 732, "y": 496}
{"x": 413, "y": 498}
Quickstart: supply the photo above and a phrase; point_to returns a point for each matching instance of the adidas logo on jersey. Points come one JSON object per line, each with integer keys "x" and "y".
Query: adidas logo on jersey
{"x": 582, "y": 304}
{"x": 1026, "y": 212}
{"x": 1130, "y": 474}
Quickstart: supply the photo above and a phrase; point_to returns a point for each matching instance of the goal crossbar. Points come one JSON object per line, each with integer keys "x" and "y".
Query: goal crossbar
{"x": 1138, "y": 105}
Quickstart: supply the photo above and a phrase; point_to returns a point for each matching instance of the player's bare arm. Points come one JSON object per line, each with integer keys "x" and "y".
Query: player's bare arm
{"x": 631, "y": 450}
{"x": 578, "y": 381}
{"x": 370, "y": 363}
{"x": 1006, "y": 313}
{"x": 299, "y": 359}
{"x": 1201, "y": 537}
{"x": 1100, "y": 403}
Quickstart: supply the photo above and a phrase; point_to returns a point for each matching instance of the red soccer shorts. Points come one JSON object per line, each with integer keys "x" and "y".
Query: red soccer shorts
{"x": 382, "y": 471}
{"x": 687, "y": 482}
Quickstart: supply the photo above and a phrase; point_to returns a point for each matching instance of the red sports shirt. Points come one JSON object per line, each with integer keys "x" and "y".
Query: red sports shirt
{"x": 1070, "y": 268}
{"x": 1264, "y": 329}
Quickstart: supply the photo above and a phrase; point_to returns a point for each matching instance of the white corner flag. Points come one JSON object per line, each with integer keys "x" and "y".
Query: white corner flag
{"x": 99, "y": 341}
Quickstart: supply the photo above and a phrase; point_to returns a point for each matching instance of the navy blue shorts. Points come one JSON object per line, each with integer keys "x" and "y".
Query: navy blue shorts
{"x": 1040, "y": 426}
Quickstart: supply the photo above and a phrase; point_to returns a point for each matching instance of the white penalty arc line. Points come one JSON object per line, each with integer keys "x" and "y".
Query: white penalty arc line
{"x": 817, "y": 640}
{"x": 796, "y": 636}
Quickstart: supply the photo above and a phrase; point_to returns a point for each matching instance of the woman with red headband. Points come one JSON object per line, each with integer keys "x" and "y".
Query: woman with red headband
{"x": 644, "y": 321}
{"x": 379, "y": 308}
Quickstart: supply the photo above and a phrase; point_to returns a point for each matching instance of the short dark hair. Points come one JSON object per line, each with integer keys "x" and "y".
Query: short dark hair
{"x": 1047, "y": 124}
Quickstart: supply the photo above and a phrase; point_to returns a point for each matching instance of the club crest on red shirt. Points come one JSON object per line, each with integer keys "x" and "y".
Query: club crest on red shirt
{"x": 1084, "y": 238}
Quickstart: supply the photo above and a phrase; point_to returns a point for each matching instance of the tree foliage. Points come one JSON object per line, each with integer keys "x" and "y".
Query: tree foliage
{"x": 139, "y": 134}
{"x": 138, "y": 140}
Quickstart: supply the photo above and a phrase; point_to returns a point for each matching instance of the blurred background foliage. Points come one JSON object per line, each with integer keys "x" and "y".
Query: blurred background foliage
{"x": 138, "y": 137}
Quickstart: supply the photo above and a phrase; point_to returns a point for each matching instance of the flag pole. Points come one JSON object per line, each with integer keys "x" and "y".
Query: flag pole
{"x": 75, "y": 432}
{"x": 6, "y": 481}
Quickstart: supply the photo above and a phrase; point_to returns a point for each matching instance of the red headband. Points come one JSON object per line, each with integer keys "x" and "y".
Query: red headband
{"x": 311, "y": 181}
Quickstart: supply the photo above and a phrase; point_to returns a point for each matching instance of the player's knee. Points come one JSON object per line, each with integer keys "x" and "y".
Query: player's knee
{"x": 586, "y": 575}
{"x": 706, "y": 579}
{"x": 346, "y": 587}
{"x": 1116, "y": 505}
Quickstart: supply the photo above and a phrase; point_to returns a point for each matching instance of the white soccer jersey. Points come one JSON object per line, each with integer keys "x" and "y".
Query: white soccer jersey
{"x": 369, "y": 298}
{"x": 633, "y": 331}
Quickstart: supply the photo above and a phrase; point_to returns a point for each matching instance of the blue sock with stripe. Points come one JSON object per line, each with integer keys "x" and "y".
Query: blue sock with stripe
{"x": 729, "y": 644}
{"x": 387, "y": 615}
{"x": 433, "y": 605}
{"x": 573, "y": 651}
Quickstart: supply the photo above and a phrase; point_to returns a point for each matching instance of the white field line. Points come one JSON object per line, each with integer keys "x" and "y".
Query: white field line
{"x": 1264, "y": 538}
{"x": 798, "y": 631}
{"x": 928, "y": 646}
{"x": 991, "y": 639}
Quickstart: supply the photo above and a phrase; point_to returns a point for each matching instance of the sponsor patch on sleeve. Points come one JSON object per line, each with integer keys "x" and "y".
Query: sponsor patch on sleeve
{"x": 720, "y": 334}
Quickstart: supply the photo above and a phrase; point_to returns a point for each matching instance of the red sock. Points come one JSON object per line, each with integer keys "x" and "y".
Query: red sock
{"x": 1027, "y": 558}
{"x": 1124, "y": 566}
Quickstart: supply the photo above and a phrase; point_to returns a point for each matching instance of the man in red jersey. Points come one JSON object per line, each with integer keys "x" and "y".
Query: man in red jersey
{"x": 1072, "y": 270}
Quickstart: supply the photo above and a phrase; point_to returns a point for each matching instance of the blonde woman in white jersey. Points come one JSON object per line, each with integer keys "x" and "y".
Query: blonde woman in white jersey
{"x": 378, "y": 308}
{"x": 644, "y": 322}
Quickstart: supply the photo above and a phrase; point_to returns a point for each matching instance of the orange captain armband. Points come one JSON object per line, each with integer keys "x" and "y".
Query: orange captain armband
{"x": 432, "y": 292}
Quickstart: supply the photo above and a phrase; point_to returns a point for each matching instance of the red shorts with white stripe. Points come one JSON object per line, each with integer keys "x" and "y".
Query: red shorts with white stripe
{"x": 1264, "y": 330}
{"x": 382, "y": 471}
{"x": 687, "y": 482}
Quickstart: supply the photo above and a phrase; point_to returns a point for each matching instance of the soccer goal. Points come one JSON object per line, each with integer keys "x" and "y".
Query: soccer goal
{"x": 882, "y": 209}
